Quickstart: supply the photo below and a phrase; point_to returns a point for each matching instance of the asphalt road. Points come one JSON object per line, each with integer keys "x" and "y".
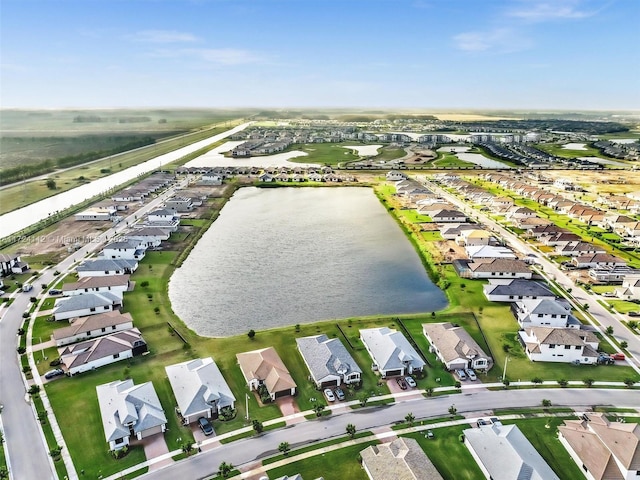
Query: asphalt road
{"x": 481, "y": 403}
{"x": 551, "y": 271}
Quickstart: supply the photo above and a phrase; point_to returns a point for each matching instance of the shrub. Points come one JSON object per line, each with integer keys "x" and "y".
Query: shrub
{"x": 144, "y": 284}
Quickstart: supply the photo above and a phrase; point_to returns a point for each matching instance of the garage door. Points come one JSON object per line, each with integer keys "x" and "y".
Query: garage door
{"x": 152, "y": 431}
{"x": 283, "y": 393}
{"x": 394, "y": 373}
{"x": 332, "y": 383}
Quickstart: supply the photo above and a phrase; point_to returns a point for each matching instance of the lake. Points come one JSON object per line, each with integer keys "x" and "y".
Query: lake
{"x": 478, "y": 159}
{"x": 281, "y": 256}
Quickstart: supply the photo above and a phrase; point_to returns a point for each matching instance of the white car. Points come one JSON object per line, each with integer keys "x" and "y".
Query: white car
{"x": 328, "y": 393}
{"x": 410, "y": 381}
{"x": 471, "y": 374}
{"x": 461, "y": 375}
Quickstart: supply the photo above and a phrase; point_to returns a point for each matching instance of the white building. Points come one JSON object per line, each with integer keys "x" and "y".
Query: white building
{"x": 125, "y": 249}
{"x": 391, "y": 352}
{"x": 84, "y": 305}
{"x": 565, "y": 345}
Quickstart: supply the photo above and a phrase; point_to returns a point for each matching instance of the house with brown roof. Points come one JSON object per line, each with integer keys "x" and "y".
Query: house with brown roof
{"x": 455, "y": 347}
{"x": 596, "y": 260}
{"x": 578, "y": 249}
{"x": 604, "y": 450}
{"x": 566, "y": 345}
{"x": 85, "y": 328}
{"x": 499, "y": 268}
{"x": 116, "y": 284}
{"x": 402, "y": 459}
{"x": 264, "y": 367}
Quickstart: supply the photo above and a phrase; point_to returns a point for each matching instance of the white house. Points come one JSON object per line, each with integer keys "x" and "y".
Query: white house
{"x": 11, "y": 263}
{"x": 515, "y": 290}
{"x": 97, "y": 352}
{"x": 489, "y": 251}
{"x": 125, "y": 249}
{"x": 474, "y": 237}
{"x": 499, "y": 268}
{"x": 455, "y": 347}
{"x": 148, "y": 237}
{"x": 544, "y": 313}
{"x": 199, "y": 388}
{"x": 391, "y": 352}
{"x": 84, "y": 305}
{"x": 395, "y": 175}
{"x": 264, "y": 367}
{"x": 106, "y": 267}
{"x": 128, "y": 409}
{"x": 99, "y": 214}
{"x": 630, "y": 289}
{"x": 85, "y": 328}
{"x": 116, "y": 284}
{"x": 448, "y": 216}
{"x": 516, "y": 212}
{"x": 211, "y": 179}
{"x": 503, "y": 453}
{"x": 162, "y": 215}
{"x": 179, "y": 204}
{"x": 566, "y": 345}
{"x": 328, "y": 361}
{"x": 596, "y": 260}
{"x": 602, "y": 449}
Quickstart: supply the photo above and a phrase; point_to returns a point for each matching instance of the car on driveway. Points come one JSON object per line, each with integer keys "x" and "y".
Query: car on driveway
{"x": 401, "y": 383}
{"x": 461, "y": 375}
{"x": 205, "y": 426}
{"x": 328, "y": 393}
{"x": 618, "y": 356}
{"x": 471, "y": 374}
{"x": 53, "y": 373}
{"x": 411, "y": 382}
{"x": 634, "y": 314}
{"x": 339, "y": 393}
{"x": 55, "y": 291}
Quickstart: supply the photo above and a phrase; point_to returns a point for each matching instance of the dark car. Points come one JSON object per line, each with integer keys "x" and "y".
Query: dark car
{"x": 205, "y": 426}
{"x": 401, "y": 383}
{"x": 55, "y": 291}
{"x": 53, "y": 373}
{"x": 339, "y": 393}
{"x": 634, "y": 314}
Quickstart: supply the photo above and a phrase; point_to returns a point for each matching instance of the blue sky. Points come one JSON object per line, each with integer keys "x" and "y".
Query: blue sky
{"x": 431, "y": 54}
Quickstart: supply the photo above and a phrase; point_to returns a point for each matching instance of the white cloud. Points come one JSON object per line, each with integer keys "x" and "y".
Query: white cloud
{"x": 162, "y": 36}
{"x": 499, "y": 40}
{"x": 542, "y": 11}
{"x": 217, "y": 56}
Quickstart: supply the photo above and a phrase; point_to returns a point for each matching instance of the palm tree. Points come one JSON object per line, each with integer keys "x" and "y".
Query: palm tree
{"x": 257, "y": 426}
{"x": 225, "y": 469}
{"x": 351, "y": 430}
{"x": 410, "y": 418}
{"x": 284, "y": 447}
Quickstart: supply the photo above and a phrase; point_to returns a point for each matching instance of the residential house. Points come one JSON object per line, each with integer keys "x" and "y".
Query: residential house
{"x": 264, "y": 367}
{"x": 489, "y": 251}
{"x": 328, "y": 361}
{"x": 148, "y": 237}
{"x": 453, "y": 231}
{"x": 98, "y": 214}
{"x": 503, "y": 453}
{"x": 395, "y": 175}
{"x": 516, "y": 212}
{"x": 392, "y": 354}
{"x": 562, "y": 238}
{"x": 630, "y": 289}
{"x": 266, "y": 177}
{"x": 401, "y": 459}
{"x": 448, "y": 216}
{"x": 472, "y": 238}
{"x": 579, "y": 249}
{"x": 85, "y": 328}
{"x": 200, "y": 389}
{"x": 162, "y": 215}
{"x": 116, "y": 284}
{"x": 604, "y": 450}
{"x": 544, "y": 313}
{"x": 596, "y": 260}
{"x": 499, "y": 268}
{"x": 11, "y": 263}
{"x": 179, "y": 204}
{"x": 455, "y": 347}
{"x": 515, "y": 290}
{"x": 106, "y": 267}
{"x": 211, "y": 179}
{"x": 84, "y": 305}
{"x": 97, "y": 352}
{"x": 124, "y": 249}
{"x": 544, "y": 231}
{"x": 128, "y": 409}
{"x": 612, "y": 274}
{"x": 567, "y": 345}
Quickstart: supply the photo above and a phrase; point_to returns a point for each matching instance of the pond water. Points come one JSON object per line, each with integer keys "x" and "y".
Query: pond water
{"x": 283, "y": 256}
{"x": 462, "y": 153}
{"x": 575, "y": 146}
{"x": 216, "y": 158}
{"x": 365, "y": 150}
{"x": 604, "y": 161}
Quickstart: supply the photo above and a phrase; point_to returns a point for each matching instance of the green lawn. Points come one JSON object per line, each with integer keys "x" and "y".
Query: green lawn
{"x": 43, "y": 329}
{"x": 325, "y": 153}
{"x": 449, "y": 160}
{"x": 624, "y": 306}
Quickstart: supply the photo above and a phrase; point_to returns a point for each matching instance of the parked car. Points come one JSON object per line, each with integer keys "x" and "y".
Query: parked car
{"x": 604, "y": 359}
{"x": 53, "y": 373}
{"x": 205, "y": 426}
{"x": 55, "y": 291}
{"x": 328, "y": 393}
{"x": 411, "y": 382}
{"x": 339, "y": 393}
{"x": 471, "y": 374}
{"x": 401, "y": 383}
{"x": 634, "y": 314}
{"x": 618, "y": 356}
{"x": 461, "y": 375}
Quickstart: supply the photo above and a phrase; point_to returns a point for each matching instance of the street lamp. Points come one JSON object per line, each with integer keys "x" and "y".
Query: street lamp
{"x": 246, "y": 396}
{"x": 504, "y": 372}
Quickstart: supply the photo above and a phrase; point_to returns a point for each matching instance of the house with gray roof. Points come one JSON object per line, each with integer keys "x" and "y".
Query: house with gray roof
{"x": 391, "y": 352}
{"x": 115, "y": 284}
{"x": 516, "y": 290}
{"x": 148, "y": 236}
{"x": 128, "y": 409}
{"x": 455, "y": 347}
{"x": 199, "y": 388}
{"x": 125, "y": 249}
{"x": 95, "y": 353}
{"x": 328, "y": 361}
{"x": 544, "y": 313}
{"x": 565, "y": 345}
{"x": 84, "y": 305}
{"x": 402, "y": 459}
{"x": 105, "y": 266}
{"x": 85, "y": 328}
{"x": 503, "y": 453}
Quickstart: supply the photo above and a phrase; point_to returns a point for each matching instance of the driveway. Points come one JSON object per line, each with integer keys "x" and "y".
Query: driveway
{"x": 288, "y": 406}
{"x": 154, "y": 446}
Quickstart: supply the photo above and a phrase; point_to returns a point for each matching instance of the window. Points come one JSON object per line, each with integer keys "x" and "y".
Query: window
{"x": 92, "y": 309}
{"x": 88, "y": 334}
{"x": 554, "y": 315}
{"x": 116, "y": 355}
{"x": 104, "y": 329}
{"x": 567, "y": 347}
{"x": 113, "y": 327}
{"x": 119, "y": 441}
{"x": 540, "y": 315}
{"x": 552, "y": 345}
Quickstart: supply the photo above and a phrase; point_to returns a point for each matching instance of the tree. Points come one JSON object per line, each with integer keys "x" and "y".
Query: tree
{"x": 629, "y": 382}
{"x": 429, "y": 391}
{"x": 363, "y": 398}
{"x": 609, "y": 330}
{"x": 187, "y": 447}
{"x": 588, "y": 382}
{"x": 585, "y": 307}
{"x": 623, "y": 344}
{"x": 318, "y": 408}
{"x": 51, "y": 184}
{"x": 351, "y": 430}
{"x": 546, "y": 402}
{"x": 633, "y": 324}
{"x": 563, "y": 382}
{"x": 224, "y": 469}
{"x": 409, "y": 418}
{"x": 251, "y": 334}
{"x": 536, "y": 380}
{"x": 257, "y": 426}
{"x": 453, "y": 410}
{"x": 284, "y": 447}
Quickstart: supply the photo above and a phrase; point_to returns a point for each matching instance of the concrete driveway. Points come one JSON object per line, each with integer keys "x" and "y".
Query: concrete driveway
{"x": 288, "y": 406}
{"x": 154, "y": 446}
